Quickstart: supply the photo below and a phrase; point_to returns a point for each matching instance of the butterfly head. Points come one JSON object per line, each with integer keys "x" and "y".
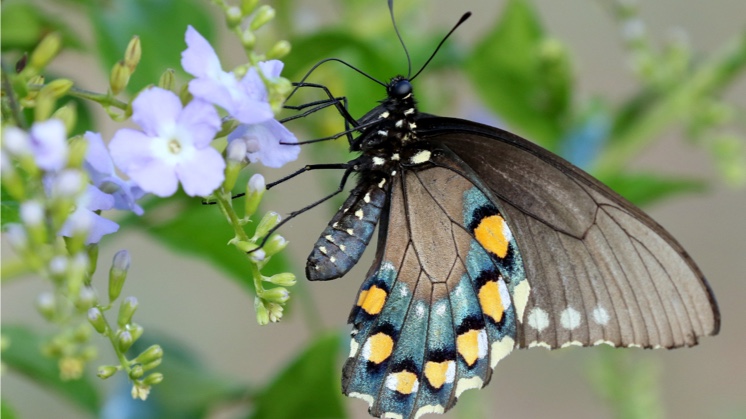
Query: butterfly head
{"x": 399, "y": 88}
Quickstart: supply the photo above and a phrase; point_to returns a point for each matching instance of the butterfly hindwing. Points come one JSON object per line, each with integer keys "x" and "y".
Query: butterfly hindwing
{"x": 436, "y": 312}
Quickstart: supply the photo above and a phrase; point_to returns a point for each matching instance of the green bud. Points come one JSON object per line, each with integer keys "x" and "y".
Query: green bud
{"x": 258, "y": 256}
{"x": 78, "y": 146}
{"x": 135, "y": 330}
{"x": 279, "y": 50}
{"x": 275, "y": 312}
{"x": 262, "y": 314}
{"x": 57, "y": 88}
{"x": 153, "y": 379}
{"x": 97, "y": 320}
{"x": 268, "y": 222}
{"x": 248, "y": 6}
{"x": 167, "y": 80}
{"x": 274, "y": 245}
{"x": 245, "y": 246}
{"x": 89, "y": 353}
{"x": 285, "y": 279}
{"x": 233, "y": 16}
{"x": 248, "y": 39}
{"x": 77, "y": 272}
{"x": 46, "y": 305}
{"x": 153, "y": 353}
{"x": 82, "y": 333}
{"x": 151, "y": 365}
{"x": 47, "y": 49}
{"x": 11, "y": 180}
{"x": 132, "y": 54}
{"x": 106, "y": 371}
{"x": 68, "y": 114}
{"x": 125, "y": 341}
{"x": 126, "y": 311}
{"x": 118, "y": 273}
{"x": 33, "y": 215}
{"x": 136, "y": 372}
{"x": 254, "y": 193}
{"x": 119, "y": 77}
{"x": 278, "y": 295}
{"x": 263, "y": 15}
{"x": 86, "y": 299}
{"x": 92, "y": 252}
{"x": 235, "y": 157}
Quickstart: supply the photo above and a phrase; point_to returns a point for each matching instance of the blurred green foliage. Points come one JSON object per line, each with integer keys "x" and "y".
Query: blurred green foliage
{"x": 520, "y": 73}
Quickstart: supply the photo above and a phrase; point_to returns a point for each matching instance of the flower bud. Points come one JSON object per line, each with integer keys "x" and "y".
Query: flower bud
{"x": 167, "y": 80}
{"x": 153, "y": 353}
{"x": 257, "y": 255}
{"x": 86, "y": 299}
{"x": 106, "y": 371}
{"x": 151, "y": 365}
{"x": 276, "y": 295}
{"x": 235, "y": 154}
{"x": 16, "y": 141}
{"x": 89, "y": 353}
{"x": 82, "y": 333}
{"x": 136, "y": 372}
{"x": 135, "y": 330}
{"x": 47, "y": 49}
{"x": 262, "y": 314}
{"x": 275, "y": 312}
{"x": 118, "y": 273}
{"x": 78, "y": 149}
{"x": 152, "y": 379}
{"x": 77, "y": 272}
{"x": 119, "y": 77}
{"x": 132, "y": 54}
{"x": 284, "y": 279}
{"x": 274, "y": 245}
{"x": 248, "y": 39}
{"x": 46, "y": 305}
{"x": 126, "y": 311}
{"x": 263, "y": 15}
{"x": 58, "y": 268}
{"x": 140, "y": 391}
{"x": 233, "y": 16}
{"x": 279, "y": 50}
{"x": 17, "y": 237}
{"x": 254, "y": 193}
{"x": 12, "y": 182}
{"x": 32, "y": 214}
{"x": 124, "y": 342}
{"x": 97, "y": 320}
{"x": 248, "y": 6}
{"x": 68, "y": 114}
{"x": 57, "y": 88}
{"x": 268, "y": 222}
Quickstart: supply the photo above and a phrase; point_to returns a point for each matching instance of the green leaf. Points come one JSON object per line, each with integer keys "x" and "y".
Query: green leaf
{"x": 160, "y": 24}
{"x": 523, "y": 76}
{"x": 24, "y": 25}
{"x": 309, "y": 386}
{"x": 8, "y": 208}
{"x": 23, "y": 355}
{"x": 6, "y": 411}
{"x": 646, "y": 188}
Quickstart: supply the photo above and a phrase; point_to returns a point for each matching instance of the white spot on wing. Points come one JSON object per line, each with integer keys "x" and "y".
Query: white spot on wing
{"x": 520, "y": 297}
{"x": 482, "y": 344}
{"x": 467, "y": 384}
{"x": 366, "y": 198}
{"x": 354, "y": 346}
{"x": 359, "y": 214}
{"x": 329, "y": 238}
{"x": 600, "y": 315}
{"x": 571, "y": 343}
{"x": 384, "y": 115}
{"x": 367, "y": 397}
{"x": 322, "y": 249}
{"x": 504, "y": 294}
{"x": 537, "y": 344}
{"x": 422, "y": 156}
{"x": 501, "y": 349}
{"x": 538, "y": 319}
{"x": 378, "y": 161}
{"x": 570, "y": 318}
{"x": 429, "y": 409}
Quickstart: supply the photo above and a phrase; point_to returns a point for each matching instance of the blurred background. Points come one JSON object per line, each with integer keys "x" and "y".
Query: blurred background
{"x": 202, "y": 307}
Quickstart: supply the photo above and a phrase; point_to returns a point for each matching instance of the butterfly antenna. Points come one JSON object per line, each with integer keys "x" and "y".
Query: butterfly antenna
{"x": 317, "y": 65}
{"x": 398, "y": 35}
{"x": 460, "y": 21}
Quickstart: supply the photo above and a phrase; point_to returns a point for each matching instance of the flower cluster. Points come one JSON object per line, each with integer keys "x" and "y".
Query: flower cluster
{"x": 63, "y": 185}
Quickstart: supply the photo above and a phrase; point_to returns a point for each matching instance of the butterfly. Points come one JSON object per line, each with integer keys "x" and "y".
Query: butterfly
{"x": 487, "y": 243}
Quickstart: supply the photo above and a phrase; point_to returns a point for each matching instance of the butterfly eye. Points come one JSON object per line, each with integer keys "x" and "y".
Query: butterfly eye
{"x": 401, "y": 88}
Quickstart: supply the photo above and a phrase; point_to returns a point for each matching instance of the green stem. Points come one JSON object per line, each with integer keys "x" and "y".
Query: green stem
{"x": 13, "y": 269}
{"x": 105, "y": 99}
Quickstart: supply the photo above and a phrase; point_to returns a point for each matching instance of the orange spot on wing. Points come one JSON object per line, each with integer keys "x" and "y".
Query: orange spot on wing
{"x": 406, "y": 382}
{"x": 489, "y": 299}
{"x": 372, "y": 300}
{"x": 381, "y": 346}
{"x": 489, "y": 233}
{"x": 436, "y": 372}
{"x": 468, "y": 346}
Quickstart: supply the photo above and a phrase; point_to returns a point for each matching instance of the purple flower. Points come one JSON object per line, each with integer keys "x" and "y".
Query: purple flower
{"x": 267, "y": 142}
{"x": 173, "y": 147}
{"x": 85, "y": 219}
{"x": 48, "y": 140}
{"x": 101, "y": 171}
{"x": 245, "y": 100}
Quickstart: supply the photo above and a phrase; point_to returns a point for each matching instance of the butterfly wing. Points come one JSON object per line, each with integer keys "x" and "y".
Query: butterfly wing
{"x": 436, "y": 312}
{"x": 599, "y": 269}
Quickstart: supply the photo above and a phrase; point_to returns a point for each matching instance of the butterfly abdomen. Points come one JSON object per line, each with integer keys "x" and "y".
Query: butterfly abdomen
{"x": 346, "y": 236}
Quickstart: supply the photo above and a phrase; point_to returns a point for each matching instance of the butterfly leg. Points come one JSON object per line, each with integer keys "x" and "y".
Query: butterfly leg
{"x": 340, "y": 103}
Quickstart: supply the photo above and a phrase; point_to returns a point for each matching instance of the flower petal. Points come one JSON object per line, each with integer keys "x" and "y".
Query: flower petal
{"x": 130, "y": 149}
{"x": 204, "y": 173}
{"x": 201, "y": 120}
{"x": 49, "y": 144}
{"x": 263, "y": 143}
{"x": 199, "y": 59}
{"x": 97, "y": 157}
{"x": 154, "y": 108}
{"x": 156, "y": 177}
